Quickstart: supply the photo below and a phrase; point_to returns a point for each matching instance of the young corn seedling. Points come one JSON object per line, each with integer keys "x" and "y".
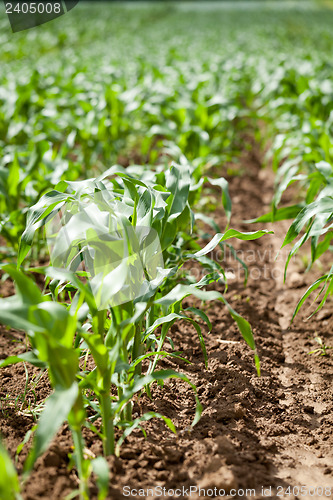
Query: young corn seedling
{"x": 145, "y": 217}
{"x": 116, "y": 248}
{"x": 317, "y": 219}
{"x": 322, "y": 349}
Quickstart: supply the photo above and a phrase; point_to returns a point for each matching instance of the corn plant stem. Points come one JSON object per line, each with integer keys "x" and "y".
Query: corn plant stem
{"x": 78, "y": 447}
{"x": 77, "y": 340}
{"x": 137, "y": 348}
{"x": 159, "y": 347}
{"x": 108, "y": 428}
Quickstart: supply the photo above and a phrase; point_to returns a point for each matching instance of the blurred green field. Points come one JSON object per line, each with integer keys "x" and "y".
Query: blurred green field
{"x": 109, "y": 29}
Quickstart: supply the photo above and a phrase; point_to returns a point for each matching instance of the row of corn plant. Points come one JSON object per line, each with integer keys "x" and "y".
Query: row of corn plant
{"x": 62, "y": 123}
{"x": 118, "y": 244}
{"x": 297, "y": 110}
{"x": 66, "y": 118}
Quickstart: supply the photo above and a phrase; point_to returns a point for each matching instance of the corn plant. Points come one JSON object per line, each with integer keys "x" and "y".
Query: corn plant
{"x": 317, "y": 218}
{"x": 301, "y": 155}
{"x": 133, "y": 203}
{"x": 313, "y": 221}
{"x": 117, "y": 247}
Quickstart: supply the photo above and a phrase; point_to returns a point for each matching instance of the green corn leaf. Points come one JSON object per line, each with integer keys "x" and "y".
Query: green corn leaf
{"x": 311, "y": 288}
{"x": 226, "y": 200}
{"x": 244, "y": 328}
{"x": 28, "y": 357}
{"x": 323, "y": 280}
{"x": 230, "y": 233}
{"x": 145, "y": 209}
{"x": 168, "y": 320}
{"x": 207, "y": 220}
{"x": 292, "y": 252}
{"x": 130, "y": 190}
{"x": 322, "y": 246}
{"x": 180, "y": 292}
{"x": 133, "y": 180}
{"x": 47, "y": 206}
{"x": 280, "y": 214}
{"x": 212, "y": 265}
{"x": 314, "y": 187}
{"x": 139, "y": 310}
{"x": 14, "y": 177}
{"x": 329, "y": 290}
{"x": 168, "y": 235}
{"x": 26, "y": 439}
{"x": 288, "y": 178}
{"x": 208, "y": 279}
{"x": 16, "y": 314}
{"x": 57, "y": 408}
{"x": 325, "y": 169}
{"x": 164, "y": 319}
{"x": 98, "y": 350}
{"x": 178, "y": 183}
{"x": 202, "y": 341}
{"x": 56, "y": 321}
{"x": 185, "y": 220}
{"x": 26, "y": 287}
{"x": 63, "y": 275}
{"x": 322, "y": 206}
{"x": 202, "y": 315}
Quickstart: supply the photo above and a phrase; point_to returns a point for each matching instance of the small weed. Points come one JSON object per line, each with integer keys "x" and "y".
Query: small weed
{"x": 322, "y": 349}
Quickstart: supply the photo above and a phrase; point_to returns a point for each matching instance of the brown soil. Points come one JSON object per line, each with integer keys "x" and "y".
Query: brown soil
{"x": 255, "y": 433}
